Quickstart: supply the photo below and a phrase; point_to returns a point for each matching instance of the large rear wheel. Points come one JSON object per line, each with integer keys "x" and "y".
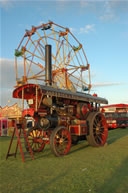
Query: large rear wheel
{"x": 60, "y": 141}
{"x": 98, "y": 129}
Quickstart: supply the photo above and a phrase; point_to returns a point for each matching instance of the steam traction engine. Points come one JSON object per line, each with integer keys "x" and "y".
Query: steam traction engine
{"x": 59, "y": 102}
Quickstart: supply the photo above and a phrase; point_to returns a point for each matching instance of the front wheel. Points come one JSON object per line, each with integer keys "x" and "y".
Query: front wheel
{"x": 98, "y": 129}
{"x": 60, "y": 141}
{"x": 35, "y": 139}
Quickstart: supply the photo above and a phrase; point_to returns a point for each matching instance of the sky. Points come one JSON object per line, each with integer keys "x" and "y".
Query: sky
{"x": 101, "y": 27}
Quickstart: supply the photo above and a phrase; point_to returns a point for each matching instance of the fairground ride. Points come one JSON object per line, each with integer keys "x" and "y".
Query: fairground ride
{"x": 70, "y": 67}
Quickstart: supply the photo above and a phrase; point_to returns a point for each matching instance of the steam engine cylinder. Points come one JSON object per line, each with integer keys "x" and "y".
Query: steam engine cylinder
{"x": 48, "y": 122}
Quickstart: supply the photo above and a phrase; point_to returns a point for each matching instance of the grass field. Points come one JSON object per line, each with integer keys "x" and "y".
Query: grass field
{"x": 84, "y": 170}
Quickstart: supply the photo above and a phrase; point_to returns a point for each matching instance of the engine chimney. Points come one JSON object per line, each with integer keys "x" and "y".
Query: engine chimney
{"x": 48, "y": 65}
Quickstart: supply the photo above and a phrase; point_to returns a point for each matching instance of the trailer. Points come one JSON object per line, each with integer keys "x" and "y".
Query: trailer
{"x": 55, "y": 86}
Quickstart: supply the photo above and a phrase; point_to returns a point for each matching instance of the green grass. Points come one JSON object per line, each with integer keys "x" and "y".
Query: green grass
{"x": 84, "y": 170}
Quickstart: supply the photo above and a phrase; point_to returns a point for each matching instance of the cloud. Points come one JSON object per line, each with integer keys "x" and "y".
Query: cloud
{"x": 7, "y": 68}
{"x": 102, "y": 84}
{"x": 6, "y": 4}
{"x": 109, "y": 12}
{"x": 84, "y": 3}
{"x": 6, "y": 96}
{"x": 86, "y": 29}
{"x": 7, "y": 79}
{"x": 125, "y": 101}
{"x": 104, "y": 10}
{"x": 72, "y": 29}
{"x": 112, "y": 10}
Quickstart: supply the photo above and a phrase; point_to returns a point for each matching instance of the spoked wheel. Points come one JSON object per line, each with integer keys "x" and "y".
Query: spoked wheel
{"x": 60, "y": 141}
{"x": 97, "y": 129}
{"x": 35, "y": 139}
{"x": 70, "y": 67}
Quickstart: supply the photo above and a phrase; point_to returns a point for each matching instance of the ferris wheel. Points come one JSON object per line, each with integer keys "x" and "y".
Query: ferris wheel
{"x": 70, "y": 67}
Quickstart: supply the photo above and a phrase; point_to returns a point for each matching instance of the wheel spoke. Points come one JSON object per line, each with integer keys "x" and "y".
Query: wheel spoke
{"x": 62, "y": 141}
{"x": 67, "y": 51}
{"x": 98, "y": 129}
{"x": 35, "y": 139}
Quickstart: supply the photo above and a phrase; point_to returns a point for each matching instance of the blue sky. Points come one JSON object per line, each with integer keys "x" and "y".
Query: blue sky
{"x": 101, "y": 27}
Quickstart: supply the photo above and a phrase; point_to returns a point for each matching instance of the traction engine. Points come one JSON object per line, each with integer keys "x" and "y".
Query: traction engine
{"x": 59, "y": 103}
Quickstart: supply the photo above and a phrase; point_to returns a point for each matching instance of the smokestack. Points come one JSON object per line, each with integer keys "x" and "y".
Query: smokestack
{"x": 48, "y": 65}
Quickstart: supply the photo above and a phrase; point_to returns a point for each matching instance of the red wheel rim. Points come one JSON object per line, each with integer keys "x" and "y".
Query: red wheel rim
{"x": 62, "y": 141}
{"x": 100, "y": 129}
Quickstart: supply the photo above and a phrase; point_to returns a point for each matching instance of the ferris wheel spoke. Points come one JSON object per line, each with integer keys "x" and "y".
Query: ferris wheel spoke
{"x": 81, "y": 58}
{"x": 57, "y": 76}
{"x": 37, "y": 64}
{"x": 36, "y": 47}
{"x": 31, "y": 60}
{"x": 57, "y": 53}
{"x": 71, "y": 58}
{"x": 85, "y": 55}
{"x": 41, "y": 50}
{"x": 66, "y": 48}
{"x": 30, "y": 64}
{"x": 75, "y": 67}
{"x": 41, "y": 38}
{"x": 77, "y": 85}
{"x": 62, "y": 81}
{"x": 79, "y": 72}
{"x": 57, "y": 44}
{"x": 68, "y": 58}
{"x": 31, "y": 44}
{"x": 45, "y": 37}
{"x": 52, "y": 55}
{"x": 31, "y": 73}
{"x": 58, "y": 81}
{"x": 36, "y": 76}
{"x": 27, "y": 41}
{"x": 35, "y": 55}
{"x": 63, "y": 50}
{"x": 56, "y": 60}
{"x": 30, "y": 68}
{"x": 77, "y": 59}
{"x": 40, "y": 72}
{"x": 79, "y": 80}
{"x": 42, "y": 46}
{"x": 67, "y": 55}
{"x": 70, "y": 84}
{"x": 72, "y": 72}
{"x": 48, "y": 36}
{"x": 74, "y": 62}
